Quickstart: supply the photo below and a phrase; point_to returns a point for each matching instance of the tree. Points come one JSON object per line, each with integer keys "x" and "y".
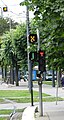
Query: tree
{"x": 49, "y": 16}
{"x": 5, "y": 25}
{"x": 14, "y": 46}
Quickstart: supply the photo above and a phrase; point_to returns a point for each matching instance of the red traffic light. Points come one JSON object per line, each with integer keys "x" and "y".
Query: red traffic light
{"x": 41, "y": 53}
{"x": 41, "y": 60}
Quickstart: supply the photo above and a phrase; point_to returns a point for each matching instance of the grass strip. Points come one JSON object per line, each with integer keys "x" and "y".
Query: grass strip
{"x": 5, "y": 112}
{"x": 8, "y": 111}
{"x": 18, "y": 93}
{"x": 27, "y": 100}
{"x": 24, "y": 96}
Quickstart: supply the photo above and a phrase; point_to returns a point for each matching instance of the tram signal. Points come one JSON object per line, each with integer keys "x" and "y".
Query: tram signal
{"x": 33, "y": 38}
{"x": 33, "y": 56}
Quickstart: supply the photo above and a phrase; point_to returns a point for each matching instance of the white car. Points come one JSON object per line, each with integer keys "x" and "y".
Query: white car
{"x": 48, "y": 77}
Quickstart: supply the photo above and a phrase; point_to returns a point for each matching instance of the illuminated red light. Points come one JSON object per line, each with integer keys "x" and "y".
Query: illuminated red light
{"x": 41, "y": 53}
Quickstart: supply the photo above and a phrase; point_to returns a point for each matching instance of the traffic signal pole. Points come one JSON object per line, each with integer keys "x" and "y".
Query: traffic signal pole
{"x": 29, "y": 61}
{"x": 40, "y": 85}
{"x": 31, "y": 83}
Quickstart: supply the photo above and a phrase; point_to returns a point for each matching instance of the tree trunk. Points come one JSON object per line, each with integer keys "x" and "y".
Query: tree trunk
{"x": 11, "y": 75}
{"x": 5, "y": 78}
{"x": 16, "y": 75}
{"x": 2, "y": 73}
{"x": 53, "y": 79}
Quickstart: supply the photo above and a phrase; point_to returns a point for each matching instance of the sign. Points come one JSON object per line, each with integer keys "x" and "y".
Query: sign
{"x": 34, "y": 75}
{"x": 33, "y": 38}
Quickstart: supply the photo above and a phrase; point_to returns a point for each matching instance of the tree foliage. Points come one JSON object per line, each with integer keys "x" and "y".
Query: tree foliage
{"x": 5, "y": 25}
{"x": 14, "y": 45}
{"x": 49, "y": 15}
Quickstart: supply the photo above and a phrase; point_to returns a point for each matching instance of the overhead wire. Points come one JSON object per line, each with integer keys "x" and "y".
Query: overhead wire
{"x": 9, "y": 5}
{"x": 3, "y": 2}
{"x": 12, "y": 11}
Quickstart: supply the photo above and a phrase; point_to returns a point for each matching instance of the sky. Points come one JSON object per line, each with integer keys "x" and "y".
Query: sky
{"x": 15, "y": 11}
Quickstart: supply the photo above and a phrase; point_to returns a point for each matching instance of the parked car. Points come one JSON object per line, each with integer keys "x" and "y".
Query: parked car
{"x": 48, "y": 77}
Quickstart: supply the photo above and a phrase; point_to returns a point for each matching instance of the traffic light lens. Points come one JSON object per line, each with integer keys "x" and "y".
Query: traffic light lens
{"x": 41, "y": 53}
{"x": 5, "y": 9}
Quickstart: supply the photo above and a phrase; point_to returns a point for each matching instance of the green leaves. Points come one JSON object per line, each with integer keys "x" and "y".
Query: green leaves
{"x": 50, "y": 19}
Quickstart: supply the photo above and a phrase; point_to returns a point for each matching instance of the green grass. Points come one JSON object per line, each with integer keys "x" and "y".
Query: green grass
{"x": 1, "y": 100}
{"x": 24, "y": 96}
{"x": 20, "y": 96}
{"x": 13, "y": 93}
{"x": 4, "y": 118}
{"x": 52, "y": 99}
{"x": 17, "y": 93}
{"x": 45, "y": 82}
{"x": 27, "y": 100}
{"x": 48, "y": 82}
{"x": 5, "y": 111}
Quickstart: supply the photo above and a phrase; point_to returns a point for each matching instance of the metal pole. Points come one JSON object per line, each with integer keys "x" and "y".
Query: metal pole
{"x": 1, "y": 12}
{"x": 57, "y": 87}
{"x": 40, "y": 85}
{"x": 38, "y": 39}
{"x": 31, "y": 83}
{"x": 29, "y": 62}
{"x": 40, "y": 100}
{"x": 27, "y": 23}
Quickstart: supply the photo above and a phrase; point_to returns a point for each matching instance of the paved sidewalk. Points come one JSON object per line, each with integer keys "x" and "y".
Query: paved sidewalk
{"x": 44, "y": 117}
{"x": 51, "y": 111}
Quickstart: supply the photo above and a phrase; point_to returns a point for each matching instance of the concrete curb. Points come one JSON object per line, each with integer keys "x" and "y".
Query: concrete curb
{"x": 29, "y": 113}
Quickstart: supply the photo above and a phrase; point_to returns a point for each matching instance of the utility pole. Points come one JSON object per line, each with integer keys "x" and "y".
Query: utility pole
{"x": 29, "y": 61}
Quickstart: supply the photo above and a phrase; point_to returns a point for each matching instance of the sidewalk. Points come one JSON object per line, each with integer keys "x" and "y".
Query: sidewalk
{"x": 51, "y": 111}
